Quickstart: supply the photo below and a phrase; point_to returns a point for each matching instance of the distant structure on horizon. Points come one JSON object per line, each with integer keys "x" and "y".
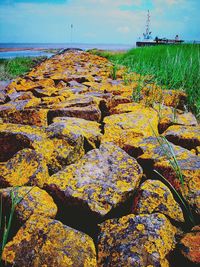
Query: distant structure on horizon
{"x": 149, "y": 41}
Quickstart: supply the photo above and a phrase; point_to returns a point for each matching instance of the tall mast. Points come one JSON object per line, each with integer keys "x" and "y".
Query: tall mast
{"x": 148, "y": 24}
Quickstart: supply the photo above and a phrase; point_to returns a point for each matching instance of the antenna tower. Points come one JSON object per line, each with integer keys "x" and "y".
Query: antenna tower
{"x": 148, "y": 24}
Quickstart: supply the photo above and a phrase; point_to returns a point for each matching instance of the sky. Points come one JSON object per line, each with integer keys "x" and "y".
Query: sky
{"x": 96, "y": 21}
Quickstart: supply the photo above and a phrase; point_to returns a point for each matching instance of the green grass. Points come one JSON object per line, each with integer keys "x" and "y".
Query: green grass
{"x": 12, "y": 68}
{"x": 173, "y": 67}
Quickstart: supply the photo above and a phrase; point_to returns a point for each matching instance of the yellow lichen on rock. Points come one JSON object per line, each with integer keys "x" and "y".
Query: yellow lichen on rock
{"x": 46, "y": 242}
{"x": 136, "y": 240}
{"x": 34, "y": 201}
{"x": 154, "y": 196}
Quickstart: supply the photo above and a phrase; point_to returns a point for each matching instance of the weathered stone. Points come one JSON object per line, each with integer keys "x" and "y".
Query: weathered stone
{"x": 154, "y": 196}
{"x": 92, "y": 113}
{"x": 190, "y": 245}
{"x": 120, "y": 128}
{"x": 79, "y": 106}
{"x": 102, "y": 180}
{"x": 26, "y": 167}
{"x": 45, "y": 242}
{"x": 90, "y": 130}
{"x": 185, "y": 136}
{"x": 151, "y": 94}
{"x": 34, "y": 201}
{"x": 154, "y": 156}
{"x": 142, "y": 240}
{"x": 125, "y": 108}
{"x": 37, "y": 117}
{"x": 15, "y": 96}
{"x": 56, "y": 150}
{"x": 171, "y": 116}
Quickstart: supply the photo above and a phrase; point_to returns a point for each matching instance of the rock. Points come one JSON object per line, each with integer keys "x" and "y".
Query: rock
{"x": 28, "y": 84}
{"x": 151, "y": 94}
{"x": 142, "y": 240}
{"x": 151, "y": 155}
{"x": 171, "y": 116}
{"x": 37, "y": 117}
{"x": 34, "y": 201}
{"x": 185, "y": 136}
{"x": 92, "y": 113}
{"x": 154, "y": 196}
{"x": 190, "y": 244}
{"x": 125, "y": 108}
{"x": 90, "y": 130}
{"x": 45, "y": 242}
{"x": 26, "y": 167}
{"x": 120, "y": 128}
{"x": 80, "y": 107}
{"x": 16, "y": 96}
{"x": 55, "y": 149}
{"x": 97, "y": 183}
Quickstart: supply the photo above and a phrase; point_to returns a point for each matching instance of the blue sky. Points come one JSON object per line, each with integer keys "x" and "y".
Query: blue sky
{"x": 96, "y": 21}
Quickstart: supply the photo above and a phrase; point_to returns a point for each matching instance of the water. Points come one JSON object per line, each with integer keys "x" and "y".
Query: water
{"x": 24, "y": 53}
{"x": 35, "y": 53}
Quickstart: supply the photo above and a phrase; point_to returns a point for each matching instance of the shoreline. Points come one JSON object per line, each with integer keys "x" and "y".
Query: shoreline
{"x": 13, "y": 49}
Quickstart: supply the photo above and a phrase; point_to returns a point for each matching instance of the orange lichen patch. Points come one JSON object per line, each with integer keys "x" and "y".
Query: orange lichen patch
{"x": 154, "y": 196}
{"x": 97, "y": 180}
{"x": 25, "y": 167}
{"x": 152, "y": 93}
{"x": 46, "y": 242}
{"x": 142, "y": 240}
{"x": 185, "y": 136}
{"x": 120, "y": 128}
{"x": 34, "y": 201}
{"x": 190, "y": 246}
{"x": 90, "y": 130}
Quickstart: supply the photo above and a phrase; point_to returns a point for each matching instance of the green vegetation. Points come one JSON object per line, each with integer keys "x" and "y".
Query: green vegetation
{"x": 11, "y": 68}
{"x": 169, "y": 153}
{"x": 5, "y": 226}
{"x": 172, "y": 67}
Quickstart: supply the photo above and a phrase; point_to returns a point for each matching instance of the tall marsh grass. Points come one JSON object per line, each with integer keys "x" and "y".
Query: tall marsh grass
{"x": 171, "y": 66}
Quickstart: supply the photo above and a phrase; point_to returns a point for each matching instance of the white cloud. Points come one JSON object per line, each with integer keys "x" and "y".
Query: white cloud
{"x": 123, "y": 29}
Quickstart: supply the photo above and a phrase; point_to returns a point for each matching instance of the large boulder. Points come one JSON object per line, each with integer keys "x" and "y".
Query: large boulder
{"x": 90, "y": 130}
{"x": 26, "y": 167}
{"x": 169, "y": 116}
{"x": 33, "y": 201}
{"x": 152, "y": 155}
{"x": 120, "y": 128}
{"x": 189, "y": 246}
{"x": 101, "y": 181}
{"x": 153, "y": 196}
{"x": 42, "y": 241}
{"x": 185, "y": 136}
{"x": 57, "y": 150}
{"x": 141, "y": 241}
{"x": 81, "y": 107}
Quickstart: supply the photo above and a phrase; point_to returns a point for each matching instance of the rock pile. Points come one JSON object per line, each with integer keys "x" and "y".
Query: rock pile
{"x": 81, "y": 156}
